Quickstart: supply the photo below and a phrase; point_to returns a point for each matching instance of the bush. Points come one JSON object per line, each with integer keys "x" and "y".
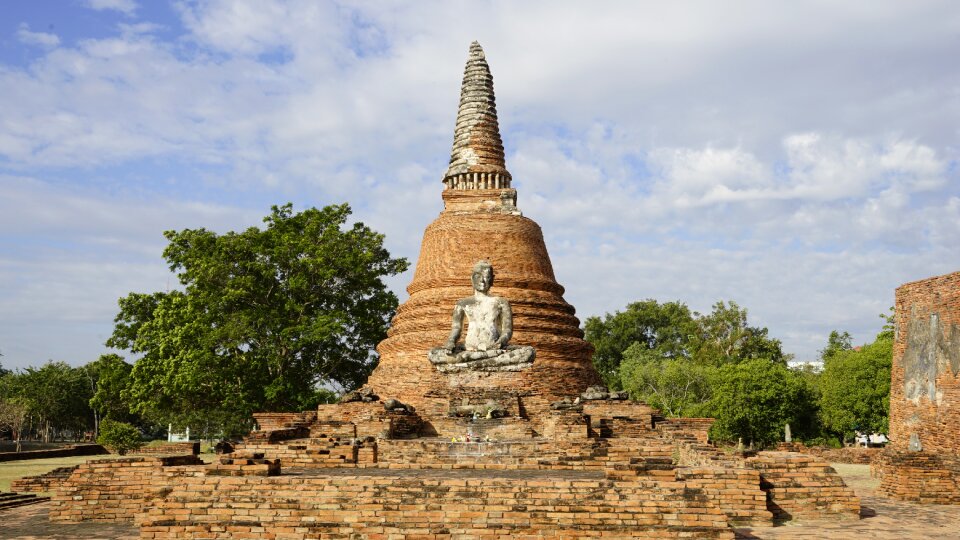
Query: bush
{"x": 119, "y": 437}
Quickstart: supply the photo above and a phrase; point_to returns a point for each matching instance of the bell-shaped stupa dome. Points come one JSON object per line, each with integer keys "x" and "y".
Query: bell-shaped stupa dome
{"x": 481, "y": 221}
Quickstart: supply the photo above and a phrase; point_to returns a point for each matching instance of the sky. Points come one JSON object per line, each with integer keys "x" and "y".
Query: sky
{"x": 799, "y": 158}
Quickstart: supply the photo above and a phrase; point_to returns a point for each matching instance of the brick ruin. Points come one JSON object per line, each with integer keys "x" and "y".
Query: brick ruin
{"x": 922, "y": 463}
{"x": 412, "y": 454}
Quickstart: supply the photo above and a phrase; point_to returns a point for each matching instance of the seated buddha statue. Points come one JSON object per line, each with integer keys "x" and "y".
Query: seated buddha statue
{"x": 489, "y": 328}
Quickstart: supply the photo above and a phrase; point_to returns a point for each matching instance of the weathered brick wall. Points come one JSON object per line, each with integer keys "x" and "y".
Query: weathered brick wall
{"x": 921, "y": 477}
{"x": 803, "y": 486}
{"x": 501, "y": 429}
{"x": 169, "y": 449}
{"x": 737, "y": 492}
{"x": 695, "y": 428}
{"x": 314, "y": 452}
{"x": 691, "y": 453}
{"x": 297, "y": 507}
{"x": 925, "y": 377}
{"x": 619, "y": 418}
{"x": 117, "y": 489}
{"x": 42, "y": 483}
{"x": 269, "y": 421}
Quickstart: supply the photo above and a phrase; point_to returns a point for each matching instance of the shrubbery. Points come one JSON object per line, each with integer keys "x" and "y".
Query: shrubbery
{"x": 119, "y": 437}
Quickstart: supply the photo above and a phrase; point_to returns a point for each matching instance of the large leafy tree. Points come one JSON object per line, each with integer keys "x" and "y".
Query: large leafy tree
{"x": 58, "y": 395}
{"x": 677, "y": 386}
{"x": 855, "y": 388}
{"x": 266, "y": 316}
{"x": 837, "y": 342}
{"x": 755, "y": 398}
{"x": 723, "y": 336}
{"x": 670, "y": 331}
{"x": 109, "y": 377}
{"x": 663, "y": 329}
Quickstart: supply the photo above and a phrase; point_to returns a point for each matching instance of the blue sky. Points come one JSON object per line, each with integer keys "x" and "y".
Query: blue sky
{"x": 799, "y": 158}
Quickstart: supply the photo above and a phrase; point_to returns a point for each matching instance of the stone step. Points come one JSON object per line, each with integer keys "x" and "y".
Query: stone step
{"x": 12, "y": 500}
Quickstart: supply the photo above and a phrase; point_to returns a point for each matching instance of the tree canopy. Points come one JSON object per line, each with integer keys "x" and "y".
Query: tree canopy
{"x": 754, "y": 399}
{"x": 266, "y": 316}
{"x": 855, "y": 388}
{"x": 716, "y": 364}
{"x": 670, "y": 330}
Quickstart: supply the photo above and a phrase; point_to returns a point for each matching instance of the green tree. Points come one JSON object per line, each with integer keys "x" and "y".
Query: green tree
{"x": 755, "y": 398}
{"x": 109, "y": 377}
{"x": 664, "y": 328}
{"x": 855, "y": 388}
{"x": 723, "y": 336}
{"x": 59, "y": 396}
{"x": 671, "y": 331}
{"x": 14, "y": 409}
{"x": 836, "y": 343}
{"x": 677, "y": 386}
{"x": 119, "y": 437}
{"x": 265, "y": 318}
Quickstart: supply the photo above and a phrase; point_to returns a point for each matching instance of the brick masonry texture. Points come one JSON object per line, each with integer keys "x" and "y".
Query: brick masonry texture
{"x": 921, "y": 477}
{"x": 924, "y": 395}
{"x": 42, "y": 483}
{"x": 118, "y": 489}
{"x": 929, "y": 306}
{"x": 169, "y": 449}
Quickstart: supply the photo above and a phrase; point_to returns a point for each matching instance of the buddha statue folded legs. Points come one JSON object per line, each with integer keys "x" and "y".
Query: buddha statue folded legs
{"x": 489, "y": 328}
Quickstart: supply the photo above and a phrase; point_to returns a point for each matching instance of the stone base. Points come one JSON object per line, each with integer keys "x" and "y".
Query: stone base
{"x": 513, "y": 358}
{"x": 921, "y": 477}
{"x": 448, "y": 504}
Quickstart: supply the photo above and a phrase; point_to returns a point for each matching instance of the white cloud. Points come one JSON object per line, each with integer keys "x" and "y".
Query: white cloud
{"x": 801, "y": 164}
{"x": 127, "y": 7}
{"x": 42, "y": 39}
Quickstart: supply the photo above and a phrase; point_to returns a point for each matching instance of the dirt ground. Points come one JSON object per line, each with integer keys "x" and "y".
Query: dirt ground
{"x": 881, "y": 518}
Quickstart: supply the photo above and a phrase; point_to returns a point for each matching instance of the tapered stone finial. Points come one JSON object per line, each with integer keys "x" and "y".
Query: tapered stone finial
{"x": 476, "y": 161}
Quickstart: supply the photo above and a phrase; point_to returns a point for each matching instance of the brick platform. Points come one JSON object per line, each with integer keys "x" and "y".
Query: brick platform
{"x": 460, "y": 505}
{"x": 921, "y": 477}
{"x": 119, "y": 489}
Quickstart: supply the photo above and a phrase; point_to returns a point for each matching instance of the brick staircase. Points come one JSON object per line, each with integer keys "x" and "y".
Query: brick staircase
{"x": 13, "y": 500}
{"x": 42, "y": 483}
{"x": 314, "y": 452}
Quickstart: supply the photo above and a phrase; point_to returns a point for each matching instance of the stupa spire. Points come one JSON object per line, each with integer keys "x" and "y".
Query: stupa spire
{"x": 476, "y": 161}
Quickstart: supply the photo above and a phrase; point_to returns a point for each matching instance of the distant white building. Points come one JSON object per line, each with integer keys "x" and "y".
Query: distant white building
{"x": 183, "y": 436}
{"x": 872, "y": 440}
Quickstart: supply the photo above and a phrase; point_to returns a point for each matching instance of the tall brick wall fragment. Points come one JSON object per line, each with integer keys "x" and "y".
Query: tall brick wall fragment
{"x": 925, "y": 376}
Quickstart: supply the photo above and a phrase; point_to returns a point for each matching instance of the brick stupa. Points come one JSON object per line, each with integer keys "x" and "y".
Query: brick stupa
{"x": 405, "y": 457}
{"x": 481, "y": 220}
